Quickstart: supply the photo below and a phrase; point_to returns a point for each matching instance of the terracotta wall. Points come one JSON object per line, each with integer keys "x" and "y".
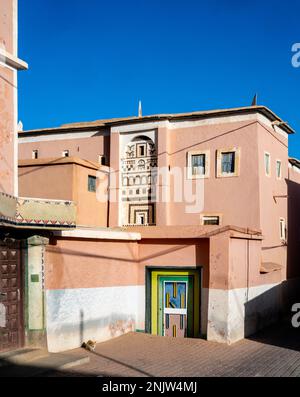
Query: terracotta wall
{"x": 46, "y": 181}
{"x": 174, "y": 252}
{"x": 273, "y": 194}
{"x": 225, "y": 196}
{"x": 8, "y": 104}
{"x": 86, "y": 148}
{"x": 78, "y": 263}
{"x": 81, "y": 263}
{"x": 64, "y": 181}
{"x": 91, "y": 211}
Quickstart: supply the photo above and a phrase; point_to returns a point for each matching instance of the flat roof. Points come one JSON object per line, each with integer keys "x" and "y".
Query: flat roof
{"x": 60, "y": 161}
{"x": 95, "y": 125}
{"x": 195, "y": 231}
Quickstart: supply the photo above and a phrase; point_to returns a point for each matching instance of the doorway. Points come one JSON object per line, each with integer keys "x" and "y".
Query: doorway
{"x": 11, "y": 305}
{"x": 174, "y": 302}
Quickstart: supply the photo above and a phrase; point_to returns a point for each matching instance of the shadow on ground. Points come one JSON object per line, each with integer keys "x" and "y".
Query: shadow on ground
{"x": 282, "y": 334}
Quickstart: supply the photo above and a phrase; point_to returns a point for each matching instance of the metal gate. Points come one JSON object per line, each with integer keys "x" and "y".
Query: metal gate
{"x": 11, "y": 318}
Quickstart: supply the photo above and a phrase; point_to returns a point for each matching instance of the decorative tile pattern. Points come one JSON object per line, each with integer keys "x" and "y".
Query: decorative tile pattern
{"x": 37, "y": 213}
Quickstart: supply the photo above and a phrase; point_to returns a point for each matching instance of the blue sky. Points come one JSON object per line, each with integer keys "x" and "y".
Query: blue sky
{"x": 95, "y": 59}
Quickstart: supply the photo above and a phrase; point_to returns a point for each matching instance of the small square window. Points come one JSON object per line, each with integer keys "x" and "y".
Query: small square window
{"x": 228, "y": 162}
{"x": 101, "y": 160}
{"x": 211, "y": 220}
{"x": 35, "y": 154}
{"x": 65, "y": 153}
{"x": 91, "y": 183}
{"x": 198, "y": 164}
{"x": 267, "y": 164}
{"x": 278, "y": 169}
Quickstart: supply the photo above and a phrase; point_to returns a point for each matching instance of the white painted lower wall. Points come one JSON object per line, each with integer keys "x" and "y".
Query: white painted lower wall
{"x": 237, "y": 313}
{"x": 76, "y": 315}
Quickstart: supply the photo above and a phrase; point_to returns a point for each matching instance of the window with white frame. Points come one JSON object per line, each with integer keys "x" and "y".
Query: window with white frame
{"x": 35, "y": 154}
{"x": 210, "y": 220}
{"x": 198, "y": 164}
{"x": 65, "y": 153}
{"x": 228, "y": 162}
{"x": 282, "y": 229}
{"x": 267, "y": 163}
{"x": 278, "y": 169}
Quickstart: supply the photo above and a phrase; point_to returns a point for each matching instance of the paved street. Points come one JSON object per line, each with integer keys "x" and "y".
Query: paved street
{"x": 273, "y": 352}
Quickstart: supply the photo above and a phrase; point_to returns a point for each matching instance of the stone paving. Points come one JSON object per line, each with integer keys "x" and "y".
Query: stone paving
{"x": 273, "y": 352}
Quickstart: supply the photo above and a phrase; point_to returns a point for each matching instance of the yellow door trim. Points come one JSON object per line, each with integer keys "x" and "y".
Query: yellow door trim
{"x": 154, "y": 296}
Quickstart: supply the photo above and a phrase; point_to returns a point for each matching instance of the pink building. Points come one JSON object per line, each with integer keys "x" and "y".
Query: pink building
{"x": 179, "y": 226}
{"x": 202, "y": 199}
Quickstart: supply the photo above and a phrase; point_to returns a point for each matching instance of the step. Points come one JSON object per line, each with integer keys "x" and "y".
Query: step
{"x": 21, "y": 356}
{"x": 39, "y": 366}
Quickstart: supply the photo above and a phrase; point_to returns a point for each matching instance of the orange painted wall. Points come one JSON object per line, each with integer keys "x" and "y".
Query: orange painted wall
{"x": 64, "y": 181}
{"x": 90, "y": 211}
{"x": 50, "y": 182}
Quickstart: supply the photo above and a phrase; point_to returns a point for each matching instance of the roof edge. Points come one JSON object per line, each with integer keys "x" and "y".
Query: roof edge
{"x": 77, "y": 127}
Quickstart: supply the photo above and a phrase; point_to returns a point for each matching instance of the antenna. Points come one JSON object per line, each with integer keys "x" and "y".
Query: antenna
{"x": 254, "y": 100}
{"x": 140, "y": 109}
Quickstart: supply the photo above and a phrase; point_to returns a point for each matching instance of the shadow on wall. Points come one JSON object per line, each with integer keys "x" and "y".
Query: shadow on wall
{"x": 263, "y": 310}
{"x": 272, "y": 309}
{"x": 293, "y": 253}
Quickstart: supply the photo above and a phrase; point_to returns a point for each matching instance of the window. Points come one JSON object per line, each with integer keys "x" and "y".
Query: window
{"x": 91, "y": 183}
{"x": 267, "y": 164}
{"x": 101, "y": 160}
{"x": 65, "y": 153}
{"x": 228, "y": 162}
{"x": 141, "y": 150}
{"x": 198, "y": 164}
{"x": 35, "y": 154}
{"x": 278, "y": 169}
{"x": 140, "y": 219}
{"x": 210, "y": 220}
{"x": 282, "y": 229}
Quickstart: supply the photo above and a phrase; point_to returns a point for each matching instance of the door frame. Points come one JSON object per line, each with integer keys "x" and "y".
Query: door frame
{"x": 17, "y": 245}
{"x": 170, "y": 271}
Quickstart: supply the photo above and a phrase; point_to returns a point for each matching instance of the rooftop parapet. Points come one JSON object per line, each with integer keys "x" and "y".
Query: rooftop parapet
{"x": 37, "y": 213}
